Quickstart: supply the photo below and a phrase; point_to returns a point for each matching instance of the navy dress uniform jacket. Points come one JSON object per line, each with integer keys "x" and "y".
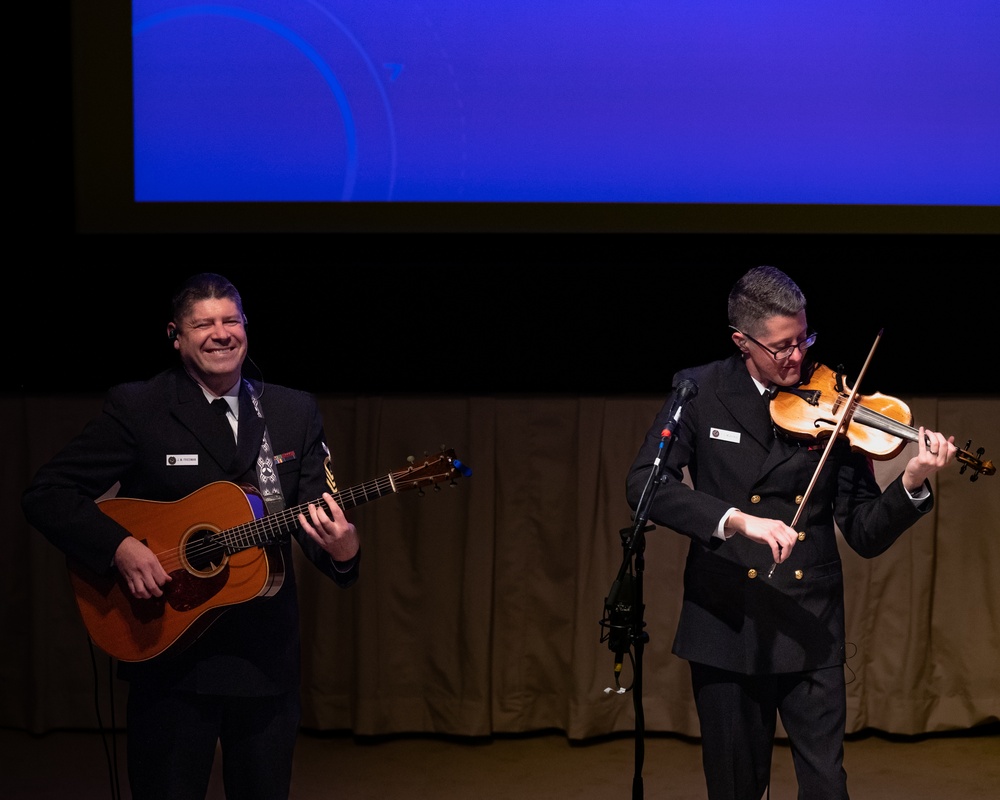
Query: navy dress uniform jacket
{"x": 733, "y": 616}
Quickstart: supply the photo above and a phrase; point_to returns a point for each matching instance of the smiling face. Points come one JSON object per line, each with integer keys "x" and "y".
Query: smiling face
{"x": 776, "y": 333}
{"x": 212, "y": 342}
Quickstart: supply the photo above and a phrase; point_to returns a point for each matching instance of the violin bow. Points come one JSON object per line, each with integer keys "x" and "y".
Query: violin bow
{"x": 842, "y": 423}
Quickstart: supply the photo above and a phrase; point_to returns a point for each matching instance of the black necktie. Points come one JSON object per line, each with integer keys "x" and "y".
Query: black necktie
{"x": 221, "y": 408}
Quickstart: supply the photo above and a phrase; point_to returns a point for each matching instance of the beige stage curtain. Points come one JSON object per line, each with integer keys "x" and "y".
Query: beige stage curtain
{"x": 479, "y": 607}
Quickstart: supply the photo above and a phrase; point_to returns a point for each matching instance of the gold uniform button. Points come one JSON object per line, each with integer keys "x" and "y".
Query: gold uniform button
{"x": 802, "y": 536}
{"x": 798, "y": 499}
{"x": 755, "y": 498}
{"x": 798, "y": 574}
{"x": 751, "y": 573}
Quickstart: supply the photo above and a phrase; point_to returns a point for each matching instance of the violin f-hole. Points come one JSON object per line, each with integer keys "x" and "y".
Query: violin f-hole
{"x": 822, "y": 424}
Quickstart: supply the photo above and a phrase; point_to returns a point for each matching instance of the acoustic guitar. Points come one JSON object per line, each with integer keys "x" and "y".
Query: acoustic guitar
{"x": 219, "y": 546}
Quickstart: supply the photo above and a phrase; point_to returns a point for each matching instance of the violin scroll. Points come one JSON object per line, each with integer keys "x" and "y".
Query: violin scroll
{"x": 979, "y": 467}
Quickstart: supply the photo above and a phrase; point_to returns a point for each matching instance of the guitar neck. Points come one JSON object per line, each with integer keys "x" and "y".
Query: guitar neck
{"x": 275, "y": 527}
{"x": 271, "y": 528}
{"x": 363, "y": 492}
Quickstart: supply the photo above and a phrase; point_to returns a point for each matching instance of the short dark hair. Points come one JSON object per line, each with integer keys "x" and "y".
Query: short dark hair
{"x": 204, "y": 286}
{"x": 761, "y": 293}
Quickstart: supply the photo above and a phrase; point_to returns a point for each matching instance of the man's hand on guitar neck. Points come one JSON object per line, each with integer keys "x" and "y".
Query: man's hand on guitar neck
{"x": 329, "y": 528}
{"x": 141, "y": 569}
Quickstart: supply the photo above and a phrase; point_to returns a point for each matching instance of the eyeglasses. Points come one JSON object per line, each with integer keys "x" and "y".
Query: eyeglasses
{"x": 785, "y": 352}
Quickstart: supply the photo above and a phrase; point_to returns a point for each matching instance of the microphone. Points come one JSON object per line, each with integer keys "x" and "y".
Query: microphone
{"x": 686, "y": 390}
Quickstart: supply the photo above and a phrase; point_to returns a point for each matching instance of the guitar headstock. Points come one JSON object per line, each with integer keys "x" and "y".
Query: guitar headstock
{"x": 975, "y": 462}
{"x": 431, "y": 471}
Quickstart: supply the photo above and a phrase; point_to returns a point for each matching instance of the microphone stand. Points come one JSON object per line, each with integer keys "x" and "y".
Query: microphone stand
{"x": 624, "y": 606}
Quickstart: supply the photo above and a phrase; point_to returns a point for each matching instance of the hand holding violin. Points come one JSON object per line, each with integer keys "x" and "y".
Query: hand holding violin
{"x": 936, "y": 453}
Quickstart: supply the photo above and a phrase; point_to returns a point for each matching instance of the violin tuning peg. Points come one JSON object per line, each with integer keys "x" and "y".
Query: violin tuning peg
{"x": 965, "y": 464}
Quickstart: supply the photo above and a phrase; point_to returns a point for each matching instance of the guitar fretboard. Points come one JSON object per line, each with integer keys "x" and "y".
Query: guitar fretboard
{"x": 273, "y": 528}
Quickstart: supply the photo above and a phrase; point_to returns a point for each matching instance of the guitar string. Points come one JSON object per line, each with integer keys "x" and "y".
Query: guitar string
{"x": 263, "y": 531}
{"x": 283, "y": 522}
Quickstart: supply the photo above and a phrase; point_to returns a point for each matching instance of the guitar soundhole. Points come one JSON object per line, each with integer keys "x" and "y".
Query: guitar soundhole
{"x": 204, "y": 555}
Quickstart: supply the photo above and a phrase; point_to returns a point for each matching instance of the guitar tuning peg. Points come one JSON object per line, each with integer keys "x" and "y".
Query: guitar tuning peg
{"x": 410, "y": 459}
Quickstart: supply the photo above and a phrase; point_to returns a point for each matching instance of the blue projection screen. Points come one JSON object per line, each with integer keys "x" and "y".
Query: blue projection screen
{"x": 633, "y": 101}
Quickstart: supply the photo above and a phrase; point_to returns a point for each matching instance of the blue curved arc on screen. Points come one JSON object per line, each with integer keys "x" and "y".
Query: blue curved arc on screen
{"x": 297, "y": 41}
{"x": 377, "y": 79}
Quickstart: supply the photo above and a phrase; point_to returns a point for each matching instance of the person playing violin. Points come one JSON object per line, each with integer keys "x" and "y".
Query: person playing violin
{"x": 762, "y": 621}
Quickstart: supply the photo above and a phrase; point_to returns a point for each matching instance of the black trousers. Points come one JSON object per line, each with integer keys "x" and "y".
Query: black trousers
{"x": 172, "y": 740}
{"x": 738, "y": 716}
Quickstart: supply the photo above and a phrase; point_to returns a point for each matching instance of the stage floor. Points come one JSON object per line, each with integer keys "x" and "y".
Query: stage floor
{"x": 545, "y": 765}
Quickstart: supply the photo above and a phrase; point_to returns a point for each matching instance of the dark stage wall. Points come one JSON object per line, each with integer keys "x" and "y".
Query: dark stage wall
{"x": 471, "y": 313}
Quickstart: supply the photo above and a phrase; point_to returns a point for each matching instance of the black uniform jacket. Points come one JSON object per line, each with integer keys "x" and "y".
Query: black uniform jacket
{"x": 733, "y": 615}
{"x": 160, "y": 440}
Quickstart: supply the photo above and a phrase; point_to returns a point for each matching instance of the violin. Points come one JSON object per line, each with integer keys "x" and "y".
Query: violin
{"x": 877, "y": 424}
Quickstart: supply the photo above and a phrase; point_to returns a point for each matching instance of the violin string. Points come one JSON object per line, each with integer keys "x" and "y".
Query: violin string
{"x": 867, "y": 415}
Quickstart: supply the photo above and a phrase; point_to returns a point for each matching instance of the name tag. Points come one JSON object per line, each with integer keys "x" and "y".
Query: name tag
{"x": 181, "y": 460}
{"x": 724, "y": 435}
